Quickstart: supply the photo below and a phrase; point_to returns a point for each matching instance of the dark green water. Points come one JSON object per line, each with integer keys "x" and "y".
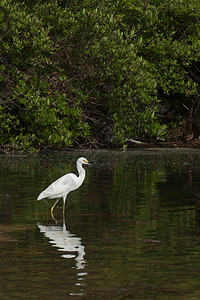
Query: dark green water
{"x": 132, "y": 231}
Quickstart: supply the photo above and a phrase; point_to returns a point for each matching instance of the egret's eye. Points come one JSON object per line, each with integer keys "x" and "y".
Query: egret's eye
{"x": 85, "y": 160}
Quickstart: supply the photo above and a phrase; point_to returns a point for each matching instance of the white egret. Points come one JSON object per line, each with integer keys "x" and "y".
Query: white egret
{"x": 65, "y": 184}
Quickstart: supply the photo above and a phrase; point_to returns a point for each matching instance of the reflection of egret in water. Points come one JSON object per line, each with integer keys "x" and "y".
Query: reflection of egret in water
{"x": 65, "y": 241}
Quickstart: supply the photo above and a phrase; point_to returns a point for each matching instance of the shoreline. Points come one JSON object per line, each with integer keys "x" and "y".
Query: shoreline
{"x": 194, "y": 144}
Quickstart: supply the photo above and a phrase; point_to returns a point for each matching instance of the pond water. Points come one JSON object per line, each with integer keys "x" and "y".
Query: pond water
{"x": 131, "y": 231}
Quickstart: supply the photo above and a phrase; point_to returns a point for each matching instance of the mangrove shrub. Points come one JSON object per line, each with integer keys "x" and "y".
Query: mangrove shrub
{"x": 97, "y": 72}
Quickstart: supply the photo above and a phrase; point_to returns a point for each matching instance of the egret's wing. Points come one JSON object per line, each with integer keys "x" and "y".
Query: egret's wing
{"x": 62, "y": 185}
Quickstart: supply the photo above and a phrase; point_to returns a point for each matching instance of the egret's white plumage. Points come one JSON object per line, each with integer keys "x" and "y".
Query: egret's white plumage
{"x": 65, "y": 184}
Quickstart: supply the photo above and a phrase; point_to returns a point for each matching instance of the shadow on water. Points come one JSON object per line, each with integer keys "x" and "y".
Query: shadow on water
{"x": 132, "y": 230}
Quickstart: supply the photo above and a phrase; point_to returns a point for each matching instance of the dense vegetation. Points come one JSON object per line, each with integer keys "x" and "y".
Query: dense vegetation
{"x": 97, "y": 73}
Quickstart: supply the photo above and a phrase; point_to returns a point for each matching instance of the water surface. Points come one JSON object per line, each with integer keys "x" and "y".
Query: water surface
{"x": 132, "y": 231}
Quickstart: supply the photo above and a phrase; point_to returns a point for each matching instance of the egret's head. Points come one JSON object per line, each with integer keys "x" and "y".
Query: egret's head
{"x": 84, "y": 161}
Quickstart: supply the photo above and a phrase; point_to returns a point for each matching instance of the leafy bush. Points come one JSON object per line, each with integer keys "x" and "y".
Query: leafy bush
{"x": 35, "y": 109}
{"x": 94, "y": 73}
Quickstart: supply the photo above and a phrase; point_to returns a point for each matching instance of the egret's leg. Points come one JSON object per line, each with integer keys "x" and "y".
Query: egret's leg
{"x": 63, "y": 208}
{"x": 64, "y": 198}
{"x": 53, "y": 208}
{"x": 54, "y": 218}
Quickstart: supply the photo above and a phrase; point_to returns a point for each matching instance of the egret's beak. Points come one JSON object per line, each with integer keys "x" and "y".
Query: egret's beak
{"x": 90, "y": 164}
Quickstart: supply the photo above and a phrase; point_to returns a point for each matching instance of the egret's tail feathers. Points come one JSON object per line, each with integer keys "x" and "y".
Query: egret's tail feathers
{"x": 47, "y": 194}
{"x": 43, "y": 195}
{"x": 40, "y": 197}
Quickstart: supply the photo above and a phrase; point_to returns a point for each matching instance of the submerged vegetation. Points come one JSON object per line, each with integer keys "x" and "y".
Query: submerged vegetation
{"x": 97, "y": 73}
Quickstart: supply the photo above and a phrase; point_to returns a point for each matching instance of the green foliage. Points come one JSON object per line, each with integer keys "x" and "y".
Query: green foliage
{"x": 36, "y": 110}
{"x": 69, "y": 73}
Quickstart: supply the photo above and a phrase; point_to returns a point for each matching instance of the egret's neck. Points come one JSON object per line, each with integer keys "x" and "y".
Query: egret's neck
{"x": 81, "y": 173}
